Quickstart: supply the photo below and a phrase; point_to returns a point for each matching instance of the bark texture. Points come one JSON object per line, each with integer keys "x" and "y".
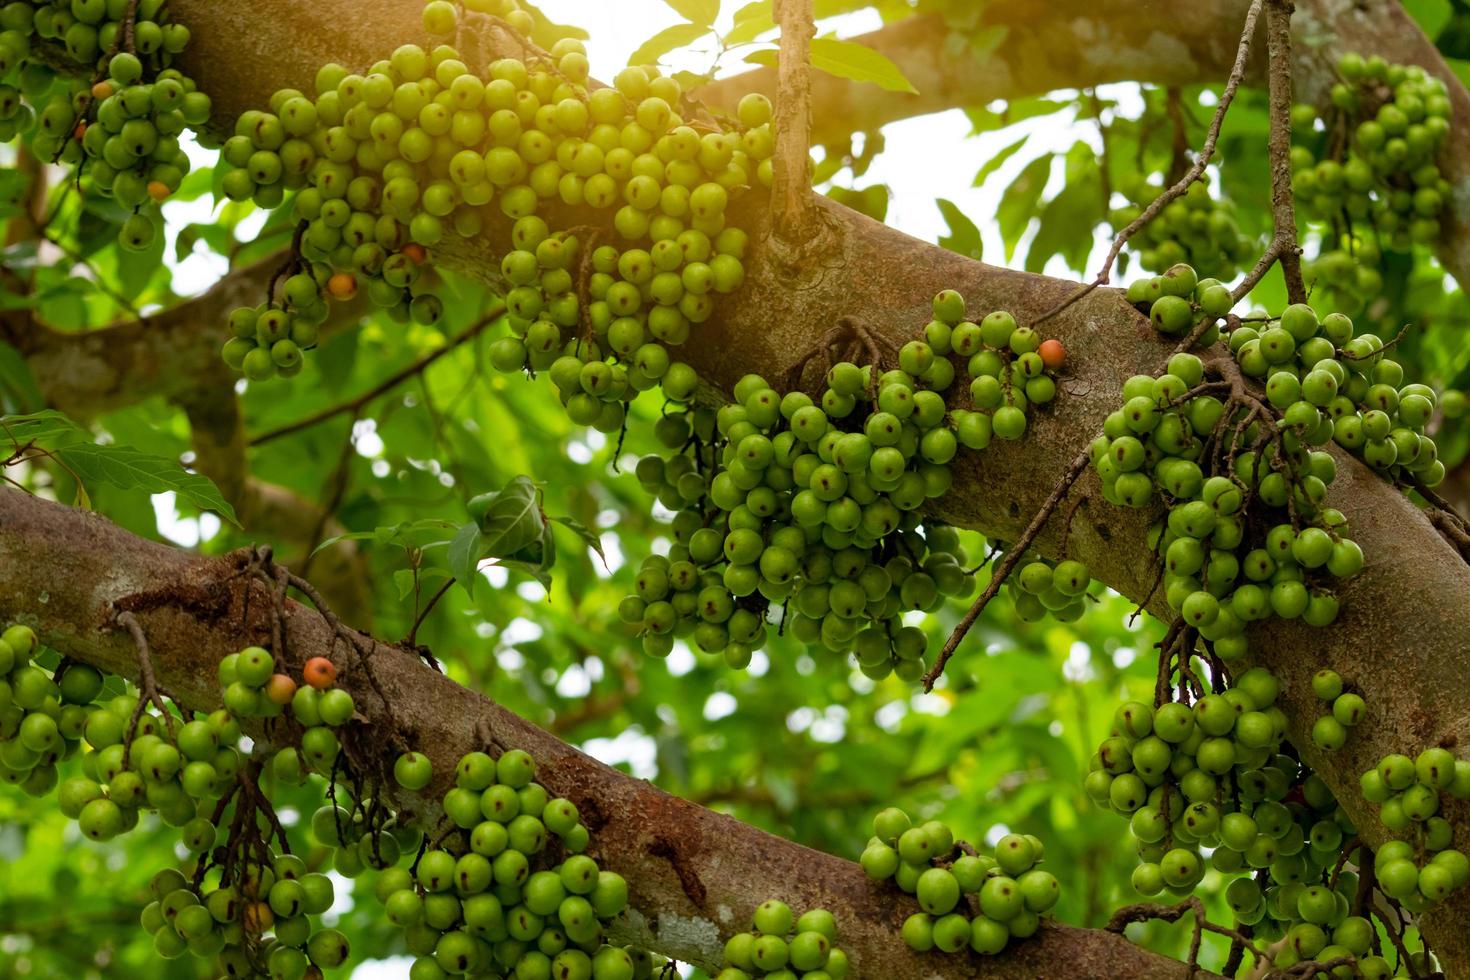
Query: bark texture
{"x": 695, "y": 875}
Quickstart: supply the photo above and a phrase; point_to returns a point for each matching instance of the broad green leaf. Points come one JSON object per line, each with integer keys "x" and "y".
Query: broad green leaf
{"x": 131, "y": 469}
{"x": 1018, "y": 203}
{"x": 871, "y": 201}
{"x": 984, "y": 119}
{"x": 395, "y": 534}
{"x": 984, "y": 42}
{"x": 17, "y": 385}
{"x": 589, "y": 537}
{"x": 997, "y": 161}
{"x": 860, "y": 63}
{"x": 47, "y": 428}
{"x": 404, "y": 579}
{"x": 464, "y": 557}
{"x": 701, "y": 13}
{"x": 535, "y": 570}
{"x": 751, "y": 21}
{"x": 665, "y": 41}
{"x": 513, "y": 521}
{"x": 964, "y": 236}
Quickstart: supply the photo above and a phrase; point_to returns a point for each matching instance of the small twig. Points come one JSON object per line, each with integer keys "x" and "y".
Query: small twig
{"x": 1007, "y": 564}
{"x": 1196, "y": 170}
{"x": 1283, "y": 208}
{"x": 1350, "y": 356}
{"x": 413, "y": 631}
{"x": 147, "y": 682}
{"x": 291, "y": 263}
{"x": 1149, "y": 911}
{"x": 791, "y": 190}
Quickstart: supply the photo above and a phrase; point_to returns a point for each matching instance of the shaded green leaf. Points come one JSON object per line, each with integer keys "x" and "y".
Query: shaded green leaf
{"x": 17, "y": 385}
{"x": 751, "y": 21}
{"x": 464, "y": 557}
{"x": 860, "y": 63}
{"x": 964, "y": 236}
{"x": 47, "y": 428}
{"x": 871, "y": 201}
{"x": 395, "y": 534}
{"x": 589, "y": 537}
{"x": 513, "y": 520}
{"x": 1018, "y": 203}
{"x": 130, "y": 469}
{"x": 666, "y": 40}
{"x": 699, "y": 12}
{"x": 997, "y": 161}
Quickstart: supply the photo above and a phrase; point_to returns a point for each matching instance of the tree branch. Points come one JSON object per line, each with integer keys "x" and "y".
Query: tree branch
{"x": 194, "y": 613}
{"x": 1195, "y": 171}
{"x": 791, "y": 192}
{"x": 1283, "y": 247}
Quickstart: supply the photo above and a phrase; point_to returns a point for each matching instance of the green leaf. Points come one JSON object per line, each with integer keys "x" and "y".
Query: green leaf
{"x": 699, "y": 12}
{"x": 535, "y": 570}
{"x": 751, "y": 21}
{"x": 17, "y": 385}
{"x": 964, "y": 236}
{"x": 997, "y": 161}
{"x": 394, "y": 534}
{"x": 665, "y": 41}
{"x": 589, "y": 537}
{"x": 984, "y": 119}
{"x": 130, "y": 469}
{"x": 513, "y": 521}
{"x": 871, "y": 201}
{"x": 1018, "y": 203}
{"x": 849, "y": 59}
{"x": 464, "y": 557}
{"x": 984, "y": 42}
{"x": 404, "y": 579}
{"x": 48, "y": 429}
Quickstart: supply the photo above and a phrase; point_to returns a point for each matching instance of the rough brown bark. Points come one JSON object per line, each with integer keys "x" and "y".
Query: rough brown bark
{"x": 695, "y": 875}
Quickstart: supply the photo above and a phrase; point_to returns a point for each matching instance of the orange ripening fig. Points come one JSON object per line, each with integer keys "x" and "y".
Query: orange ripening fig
{"x": 79, "y": 131}
{"x": 158, "y": 190}
{"x": 280, "y": 689}
{"x": 102, "y": 90}
{"x": 417, "y": 252}
{"x": 342, "y": 286}
{"x": 320, "y": 673}
{"x": 1053, "y": 354}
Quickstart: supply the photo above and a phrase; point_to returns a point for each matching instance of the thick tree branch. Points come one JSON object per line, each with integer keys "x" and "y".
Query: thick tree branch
{"x": 168, "y": 354}
{"x": 695, "y": 875}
